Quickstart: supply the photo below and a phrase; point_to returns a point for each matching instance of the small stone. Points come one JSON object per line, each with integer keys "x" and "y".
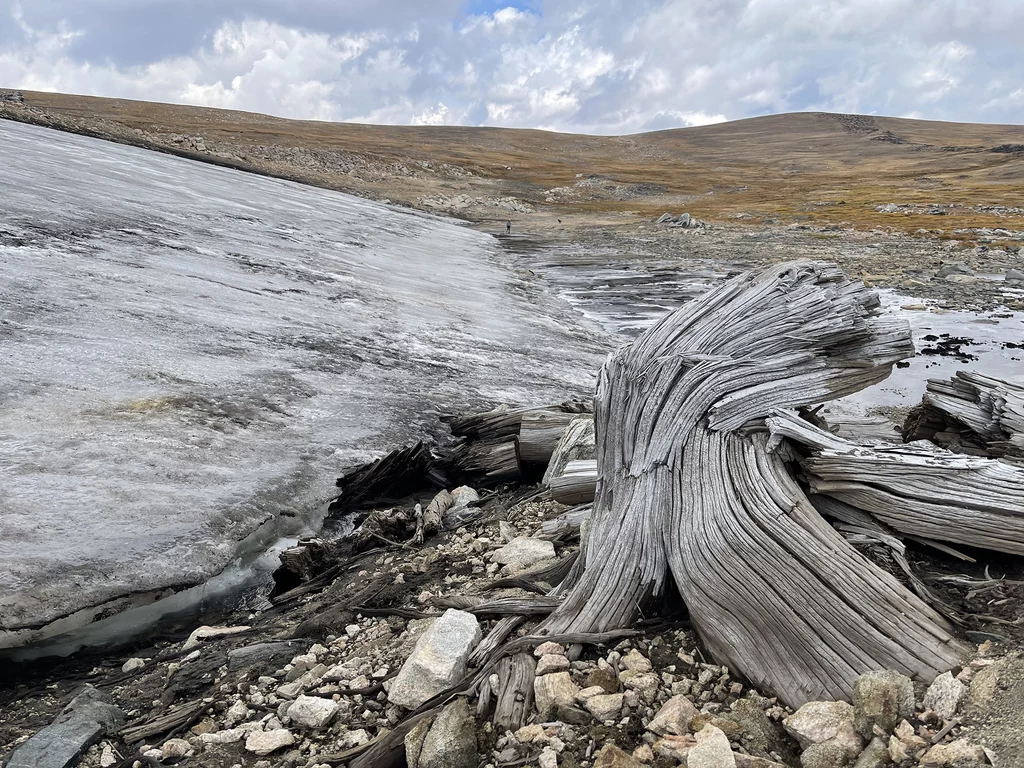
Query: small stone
{"x": 828, "y": 754}
{"x": 173, "y": 748}
{"x": 944, "y": 696}
{"x": 107, "y": 758}
{"x": 643, "y": 754}
{"x": 881, "y": 699}
{"x": 554, "y": 691}
{"x": 545, "y": 649}
{"x": 312, "y": 711}
{"x": 611, "y": 756}
{"x": 1014, "y": 276}
{"x": 551, "y": 662}
{"x": 265, "y": 742}
{"x": 352, "y": 630}
{"x": 229, "y": 736}
{"x": 955, "y": 269}
{"x": 674, "y": 717}
{"x": 635, "y": 661}
{"x": 674, "y": 747}
{"x": 712, "y": 750}
{"x": 875, "y": 755}
{"x": 237, "y": 713}
{"x": 956, "y": 754}
{"x": 819, "y": 721}
{"x": 451, "y": 740}
{"x": 607, "y": 706}
{"x": 132, "y": 665}
{"x": 548, "y": 758}
{"x": 523, "y": 552}
{"x": 530, "y": 733}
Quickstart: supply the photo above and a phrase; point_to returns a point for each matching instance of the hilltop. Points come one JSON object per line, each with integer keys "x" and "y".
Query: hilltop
{"x": 815, "y": 168}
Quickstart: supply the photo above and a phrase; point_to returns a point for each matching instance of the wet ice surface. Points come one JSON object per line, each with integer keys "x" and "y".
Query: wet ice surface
{"x": 190, "y": 352}
{"x": 946, "y": 342}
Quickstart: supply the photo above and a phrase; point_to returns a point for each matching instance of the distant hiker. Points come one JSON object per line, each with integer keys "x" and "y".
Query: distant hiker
{"x": 508, "y": 227}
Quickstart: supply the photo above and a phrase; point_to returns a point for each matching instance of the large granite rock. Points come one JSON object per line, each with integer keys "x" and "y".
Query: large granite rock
{"x": 882, "y": 699}
{"x": 438, "y": 660}
{"x": 449, "y": 741}
{"x": 81, "y": 724}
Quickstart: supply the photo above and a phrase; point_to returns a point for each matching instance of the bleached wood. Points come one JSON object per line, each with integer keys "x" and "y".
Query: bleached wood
{"x": 577, "y": 484}
{"x": 577, "y": 443}
{"x": 539, "y": 434}
{"x": 689, "y": 492}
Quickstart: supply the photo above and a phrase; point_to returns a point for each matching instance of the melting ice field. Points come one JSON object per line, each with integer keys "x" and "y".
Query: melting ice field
{"x": 189, "y": 354}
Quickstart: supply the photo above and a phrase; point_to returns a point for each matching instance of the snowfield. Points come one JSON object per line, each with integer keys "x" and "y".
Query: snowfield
{"x": 189, "y": 354}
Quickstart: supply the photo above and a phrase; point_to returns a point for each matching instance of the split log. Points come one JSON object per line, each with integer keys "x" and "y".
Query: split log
{"x": 515, "y": 691}
{"x": 490, "y": 461}
{"x": 504, "y": 421}
{"x": 973, "y": 414}
{"x": 577, "y": 484}
{"x": 917, "y": 489}
{"x": 540, "y": 433}
{"x": 576, "y": 443}
{"x": 689, "y": 491}
{"x": 386, "y": 480}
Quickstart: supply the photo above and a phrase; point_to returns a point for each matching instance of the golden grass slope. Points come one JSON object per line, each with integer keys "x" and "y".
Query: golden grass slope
{"x": 814, "y": 167}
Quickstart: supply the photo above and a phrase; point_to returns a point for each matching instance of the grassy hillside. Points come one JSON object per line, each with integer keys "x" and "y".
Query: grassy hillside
{"x": 813, "y": 167}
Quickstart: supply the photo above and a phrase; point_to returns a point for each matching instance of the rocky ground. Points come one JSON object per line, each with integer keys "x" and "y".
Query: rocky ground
{"x": 335, "y": 665}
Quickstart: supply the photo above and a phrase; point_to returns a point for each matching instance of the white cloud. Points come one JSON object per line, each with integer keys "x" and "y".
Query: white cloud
{"x": 605, "y": 66}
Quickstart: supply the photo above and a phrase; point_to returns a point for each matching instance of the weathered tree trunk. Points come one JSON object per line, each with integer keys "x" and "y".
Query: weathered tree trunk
{"x": 972, "y": 414}
{"x": 488, "y": 461}
{"x": 539, "y": 434}
{"x": 689, "y": 491}
{"x": 918, "y": 490}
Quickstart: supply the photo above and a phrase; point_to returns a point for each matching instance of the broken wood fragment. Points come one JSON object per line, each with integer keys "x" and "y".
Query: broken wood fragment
{"x": 577, "y": 484}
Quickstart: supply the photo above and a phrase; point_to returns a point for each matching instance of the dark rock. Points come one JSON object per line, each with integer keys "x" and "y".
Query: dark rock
{"x": 606, "y": 678}
{"x": 882, "y": 699}
{"x": 81, "y": 724}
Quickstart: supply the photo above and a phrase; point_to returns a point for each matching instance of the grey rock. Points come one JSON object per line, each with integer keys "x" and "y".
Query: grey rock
{"x": 881, "y": 698}
{"x": 956, "y": 754}
{"x": 955, "y": 269}
{"x": 523, "y": 552}
{"x": 819, "y": 721}
{"x": 312, "y": 711}
{"x": 875, "y": 755}
{"x": 450, "y": 742}
{"x": 674, "y": 717}
{"x": 438, "y": 660}
{"x": 250, "y": 654}
{"x": 944, "y": 696}
{"x": 763, "y": 734}
{"x": 828, "y": 754}
{"x": 551, "y": 662}
{"x": 1014, "y": 276}
{"x": 554, "y": 691}
{"x": 265, "y": 742}
{"x": 711, "y": 751}
{"x": 578, "y": 443}
{"x": 81, "y": 724}
{"x": 606, "y": 706}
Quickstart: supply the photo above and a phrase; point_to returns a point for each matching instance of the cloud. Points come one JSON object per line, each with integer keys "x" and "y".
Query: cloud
{"x": 596, "y": 66}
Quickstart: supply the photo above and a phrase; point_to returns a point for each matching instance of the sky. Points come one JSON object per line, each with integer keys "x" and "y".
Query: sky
{"x": 583, "y": 66}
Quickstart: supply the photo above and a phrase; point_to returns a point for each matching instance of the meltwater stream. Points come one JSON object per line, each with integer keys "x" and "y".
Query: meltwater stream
{"x": 189, "y": 354}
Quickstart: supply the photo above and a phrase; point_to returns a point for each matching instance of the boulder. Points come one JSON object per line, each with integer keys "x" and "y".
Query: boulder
{"x": 712, "y": 750}
{"x": 438, "y": 661}
{"x": 133, "y": 665}
{"x": 523, "y": 552}
{"x": 1014, "y": 276}
{"x": 265, "y": 742}
{"x": 820, "y": 721}
{"x": 674, "y": 717}
{"x": 175, "y": 748}
{"x": 81, "y": 724}
{"x": 635, "y": 661}
{"x": 881, "y": 698}
{"x": 955, "y": 269}
{"x": 611, "y": 756}
{"x": 312, "y": 711}
{"x": 944, "y": 695}
{"x": 828, "y": 754}
{"x": 606, "y": 706}
{"x": 554, "y": 691}
{"x": 449, "y": 741}
{"x": 762, "y": 734}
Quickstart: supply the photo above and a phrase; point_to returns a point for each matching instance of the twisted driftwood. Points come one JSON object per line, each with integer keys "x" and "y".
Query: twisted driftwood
{"x": 917, "y": 489}
{"x": 972, "y": 414}
{"x": 688, "y": 490}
